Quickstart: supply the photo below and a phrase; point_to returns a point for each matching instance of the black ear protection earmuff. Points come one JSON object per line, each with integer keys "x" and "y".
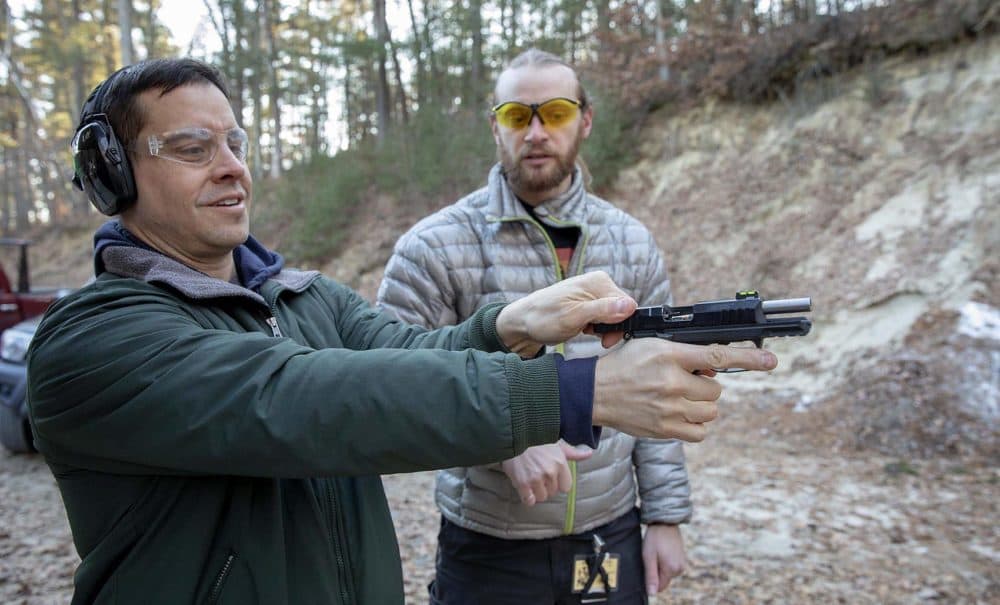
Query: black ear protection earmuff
{"x": 100, "y": 162}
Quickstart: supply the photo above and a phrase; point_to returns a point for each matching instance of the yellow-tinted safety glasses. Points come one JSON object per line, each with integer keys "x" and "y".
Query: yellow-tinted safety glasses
{"x": 554, "y": 112}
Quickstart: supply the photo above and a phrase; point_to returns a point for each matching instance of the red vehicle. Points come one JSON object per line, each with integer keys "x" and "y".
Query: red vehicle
{"x": 17, "y": 300}
{"x": 20, "y": 309}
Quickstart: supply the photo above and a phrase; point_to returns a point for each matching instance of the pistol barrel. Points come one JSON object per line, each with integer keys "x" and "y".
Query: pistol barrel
{"x": 787, "y": 305}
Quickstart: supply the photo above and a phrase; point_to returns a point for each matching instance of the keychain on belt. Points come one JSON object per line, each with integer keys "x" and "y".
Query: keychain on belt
{"x": 595, "y": 575}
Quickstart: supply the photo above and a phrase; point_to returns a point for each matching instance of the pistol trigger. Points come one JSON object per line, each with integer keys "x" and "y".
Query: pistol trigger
{"x": 759, "y": 342}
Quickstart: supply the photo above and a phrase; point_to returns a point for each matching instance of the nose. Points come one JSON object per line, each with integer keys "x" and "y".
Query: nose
{"x": 227, "y": 166}
{"x": 536, "y": 130}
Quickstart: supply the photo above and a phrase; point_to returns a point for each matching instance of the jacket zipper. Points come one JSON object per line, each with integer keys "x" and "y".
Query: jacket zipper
{"x": 570, "y": 519}
{"x": 331, "y": 499}
{"x": 272, "y": 322}
{"x": 220, "y": 580}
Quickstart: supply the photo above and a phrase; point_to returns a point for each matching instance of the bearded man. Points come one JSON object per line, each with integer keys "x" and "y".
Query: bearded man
{"x": 556, "y": 524}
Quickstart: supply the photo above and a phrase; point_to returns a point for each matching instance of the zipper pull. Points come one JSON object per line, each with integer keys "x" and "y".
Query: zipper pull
{"x": 273, "y": 322}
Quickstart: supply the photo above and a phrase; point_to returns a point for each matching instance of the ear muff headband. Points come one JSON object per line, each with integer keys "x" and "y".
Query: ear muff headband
{"x": 100, "y": 162}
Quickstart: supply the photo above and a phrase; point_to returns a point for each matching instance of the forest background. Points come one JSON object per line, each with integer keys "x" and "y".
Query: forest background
{"x": 342, "y": 108}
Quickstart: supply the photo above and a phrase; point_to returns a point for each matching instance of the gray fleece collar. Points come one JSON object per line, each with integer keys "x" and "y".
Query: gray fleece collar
{"x": 153, "y": 267}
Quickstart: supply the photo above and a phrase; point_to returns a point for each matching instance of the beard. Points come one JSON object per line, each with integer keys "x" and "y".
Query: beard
{"x": 526, "y": 179}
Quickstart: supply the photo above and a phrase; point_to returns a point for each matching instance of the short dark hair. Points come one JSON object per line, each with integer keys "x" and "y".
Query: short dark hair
{"x": 534, "y": 57}
{"x": 117, "y": 97}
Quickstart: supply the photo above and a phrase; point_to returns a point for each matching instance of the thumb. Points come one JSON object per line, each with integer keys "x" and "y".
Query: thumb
{"x": 580, "y": 452}
{"x": 652, "y": 573}
{"x": 608, "y": 310}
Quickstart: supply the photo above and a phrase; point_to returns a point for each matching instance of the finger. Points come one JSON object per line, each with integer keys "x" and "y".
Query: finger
{"x": 581, "y": 452}
{"x": 692, "y": 433}
{"x": 552, "y": 483}
{"x": 539, "y": 491}
{"x": 527, "y": 496}
{"x": 610, "y": 339}
{"x": 700, "y": 412}
{"x": 715, "y": 356}
{"x": 694, "y": 387}
{"x": 652, "y": 573}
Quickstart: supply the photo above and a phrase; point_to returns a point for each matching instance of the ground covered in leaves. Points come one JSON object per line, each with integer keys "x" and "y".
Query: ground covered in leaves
{"x": 778, "y": 519}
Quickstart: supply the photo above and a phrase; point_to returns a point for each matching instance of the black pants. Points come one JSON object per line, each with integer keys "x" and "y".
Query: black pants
{"x": 476, "y": 569}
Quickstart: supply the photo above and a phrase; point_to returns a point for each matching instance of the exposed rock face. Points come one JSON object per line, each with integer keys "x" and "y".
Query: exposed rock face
{"x": 879, "y": 197}
{"x": 877, "y": 194}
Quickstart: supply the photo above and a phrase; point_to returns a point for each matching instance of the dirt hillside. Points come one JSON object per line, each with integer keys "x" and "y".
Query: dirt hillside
{"x": 865, "y": 468}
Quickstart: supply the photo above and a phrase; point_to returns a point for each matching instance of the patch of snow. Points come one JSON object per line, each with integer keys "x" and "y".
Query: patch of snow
{"x": 979, "y": 320}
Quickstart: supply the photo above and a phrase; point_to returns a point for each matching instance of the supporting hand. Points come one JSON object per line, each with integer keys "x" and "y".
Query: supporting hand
{"x": 648, "y": 388}
{"x": 541, "y": 471}
{"x": 559, "y": 312}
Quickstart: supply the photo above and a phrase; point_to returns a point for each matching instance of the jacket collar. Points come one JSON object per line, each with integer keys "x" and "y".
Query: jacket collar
{"x": 503, "y": 205}
{"x": 117, "y": 251}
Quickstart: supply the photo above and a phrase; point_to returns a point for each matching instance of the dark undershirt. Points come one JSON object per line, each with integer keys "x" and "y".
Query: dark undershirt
{"x": 563, "y": 238}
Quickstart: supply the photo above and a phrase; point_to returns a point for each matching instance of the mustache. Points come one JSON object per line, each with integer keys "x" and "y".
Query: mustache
{"x": 531, "y": 149}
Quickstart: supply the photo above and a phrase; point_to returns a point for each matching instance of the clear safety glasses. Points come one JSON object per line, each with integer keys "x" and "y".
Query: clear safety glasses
{"x": 198, "y": 146}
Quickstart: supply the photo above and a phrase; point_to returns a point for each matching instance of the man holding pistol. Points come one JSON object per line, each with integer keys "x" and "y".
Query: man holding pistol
{"x": 217, "y": 422}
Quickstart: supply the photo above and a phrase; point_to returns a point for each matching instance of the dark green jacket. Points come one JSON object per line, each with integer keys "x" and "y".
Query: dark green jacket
{"x": 218, "y": 445}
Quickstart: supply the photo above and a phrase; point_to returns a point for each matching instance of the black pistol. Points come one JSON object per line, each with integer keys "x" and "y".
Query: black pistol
{"x": 744, "y": 318}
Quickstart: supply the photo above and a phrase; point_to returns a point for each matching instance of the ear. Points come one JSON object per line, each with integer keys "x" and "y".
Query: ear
{"x": 495, "y": 129}
{"x": 587, "y": 121}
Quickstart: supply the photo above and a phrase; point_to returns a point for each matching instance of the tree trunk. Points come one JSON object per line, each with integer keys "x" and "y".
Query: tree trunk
{"x": 418, "y": 56}
{"x": 401, "y": 96}
{"x": 434, "y": 75}
{"x": 348, "y": 113}
{"x": 23, "y": 189}
{"x": 382, "y": 84}
{"x": 475, "y": 74}
{"x": 661, "y": 43}
{"x": 257, "y": 100}
{"x": 151, "y": 34}
{"x": 274, "y": 94}
{"x": 125, "y": 28}
{"x": 318, "y": 108}
{"x": 514, "y": 16}
{"x": 603, "y": 27}
{"x": 6, "y": 199}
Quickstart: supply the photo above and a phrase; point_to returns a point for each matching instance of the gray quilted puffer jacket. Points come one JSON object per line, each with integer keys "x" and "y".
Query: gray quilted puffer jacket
{"x": 486, "y": 248}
